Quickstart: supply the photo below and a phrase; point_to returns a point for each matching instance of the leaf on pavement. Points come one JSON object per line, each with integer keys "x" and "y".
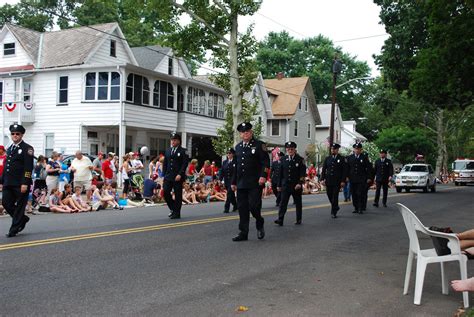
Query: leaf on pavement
{"x": 242, "y": 308}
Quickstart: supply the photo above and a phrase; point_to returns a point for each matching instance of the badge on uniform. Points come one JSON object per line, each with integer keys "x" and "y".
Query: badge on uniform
{"x": 31, "y": 151}
{"x": 296, "y": 164}
{"x": 339, "y": 161}
{"x": 386, "y": 163}
{"x": 19, "y": 151}
{"x": 361, "y": 161}
{"x": 253, "y": 150}
{"x": 179, "y": 154}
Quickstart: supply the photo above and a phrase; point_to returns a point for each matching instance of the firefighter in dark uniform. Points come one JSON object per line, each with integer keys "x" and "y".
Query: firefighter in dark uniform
{"x": 275, "y": 175}
{"x": 290, "y": 183}
{"x": 370, "y": 181}
{"x": 174, "y": 171}
{"x": 16, "y": 179}
{"x": 359, "y": 169}
{"x": 226, "y": 174}
{"x": 333, "y": 176}
{"x": 252, "y": 164}
{"x": 383, "y": 175}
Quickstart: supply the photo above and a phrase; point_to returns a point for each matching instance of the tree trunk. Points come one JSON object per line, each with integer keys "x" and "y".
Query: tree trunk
{"x": 234, "y": 78}
{"x": 442, "y": 150}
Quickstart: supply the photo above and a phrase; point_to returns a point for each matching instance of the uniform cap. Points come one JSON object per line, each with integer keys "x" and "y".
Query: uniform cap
{"x": 244, "y": 126}
{"x": 231, "y": 150}
{"x": 290, "y": 144}
{"x": 175, "y": 136}
{"x": 357, "y": 146}
{"x": 17, "y": 128}
{"x": 335, "y": 146}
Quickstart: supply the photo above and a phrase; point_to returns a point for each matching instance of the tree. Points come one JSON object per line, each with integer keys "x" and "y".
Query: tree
{"x": 404, "y": 143}
{"x": 313, "y": 57}
{"x": 430, "y": 55}
{"x": 214, "y": 28}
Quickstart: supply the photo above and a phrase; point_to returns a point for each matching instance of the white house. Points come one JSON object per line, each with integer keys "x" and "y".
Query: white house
{"x": 349, "y": 135}
{"x": 85, "y": 88}
{"x": 323, "y": 129}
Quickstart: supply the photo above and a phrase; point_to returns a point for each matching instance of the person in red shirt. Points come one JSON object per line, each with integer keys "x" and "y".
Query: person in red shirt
{"x": 215, "y": 170}
{"x": 107, "y": 169}
{"x": 312, "y": 172}
{"x": 3, "y": 158}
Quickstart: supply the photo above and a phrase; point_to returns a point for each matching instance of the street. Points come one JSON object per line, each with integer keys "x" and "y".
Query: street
{"x": 138, "y": 262}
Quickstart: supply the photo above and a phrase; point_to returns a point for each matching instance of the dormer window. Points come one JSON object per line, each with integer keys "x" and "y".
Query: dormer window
{"x": 8, "y": 49}
{"x": 113, "y": 48}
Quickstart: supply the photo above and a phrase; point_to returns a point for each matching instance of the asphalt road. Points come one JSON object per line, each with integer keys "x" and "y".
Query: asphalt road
{"x": 138, "y": 262}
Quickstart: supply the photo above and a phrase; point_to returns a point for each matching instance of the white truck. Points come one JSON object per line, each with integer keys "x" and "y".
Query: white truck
{"x": 463, "y": 171}
{"x": 416, "y": 176}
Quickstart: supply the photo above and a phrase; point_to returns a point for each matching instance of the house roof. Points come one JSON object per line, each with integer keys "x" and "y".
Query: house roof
{"x": 288, "y": 92}
{"x": 72, "y": 46}
{"x": 150, "y": 57}
{"x": 29, "y": 40}
{"x": 354, "y": 134}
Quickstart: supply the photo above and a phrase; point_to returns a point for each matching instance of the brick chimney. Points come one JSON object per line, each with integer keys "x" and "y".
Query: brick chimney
{"x": 280, "y": 76}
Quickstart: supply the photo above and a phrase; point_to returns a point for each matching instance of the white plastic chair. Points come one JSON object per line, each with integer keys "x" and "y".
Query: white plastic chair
{"x": 426, "y": 256}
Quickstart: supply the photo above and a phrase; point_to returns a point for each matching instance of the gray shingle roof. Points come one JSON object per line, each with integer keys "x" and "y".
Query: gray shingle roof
{"x": 72, "y": 46}
{"x": 28, "y": 39}
{"x": 150, "y": 57}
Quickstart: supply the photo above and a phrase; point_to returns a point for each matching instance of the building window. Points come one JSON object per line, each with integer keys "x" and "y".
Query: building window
{"x": 220, "y": 107}
{"x": 306, "y": 104}
{"x": 129, "y": 88}
{"x": 309, "y": 130}
{"x": 145, "y": 92}
{"x": 275, "y": 127}
{"x": 202, "y": 102}
{"x": 154, "y": 146}
{"x": 170, "y": 104}
{"x": 113, "y": 48}
{"x": 1, "y": 94}
{"x": 112, "y": 144}
{"x": 27, "y": 91}
{"x": 211, "y": 104}
{"x": 48, "y": 144}
{"x": 170, "y": 66}
{"x": 63, "y": 85}
{"x": 189, "y": 102}
{"x": 299, "y": 103}
{"x": 163, "y": 95}
{"x": 296, "y": 128}
{"x": 103, "y": 86}
{"x": 128, "y": 143}
{"x": 8, "y": 49}
{"x": 180, "y": 98}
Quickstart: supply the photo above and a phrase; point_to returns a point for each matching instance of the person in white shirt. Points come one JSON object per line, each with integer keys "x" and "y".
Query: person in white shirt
{"x": 82, "y": 168}
{"x": 137, "y": 165}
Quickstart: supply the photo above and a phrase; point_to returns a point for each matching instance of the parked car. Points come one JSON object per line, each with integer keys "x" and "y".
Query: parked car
{"x": 416, "y": 176}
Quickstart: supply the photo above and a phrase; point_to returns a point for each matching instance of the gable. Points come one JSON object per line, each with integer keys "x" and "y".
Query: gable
{"x": 102, "y": 53}
{"x": 20, "y": 57}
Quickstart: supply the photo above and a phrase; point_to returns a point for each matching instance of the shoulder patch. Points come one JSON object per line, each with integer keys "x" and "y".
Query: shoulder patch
{"x": 264, "y": 147}
{"x": 31, "y": 151}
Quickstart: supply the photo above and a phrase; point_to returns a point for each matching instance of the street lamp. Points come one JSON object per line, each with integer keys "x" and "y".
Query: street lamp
{"x": 336, "y": 69}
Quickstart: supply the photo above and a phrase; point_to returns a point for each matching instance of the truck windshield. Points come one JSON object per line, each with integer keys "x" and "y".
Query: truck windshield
{"x": 416, "y": 168}
{"x": 464, "y": 165}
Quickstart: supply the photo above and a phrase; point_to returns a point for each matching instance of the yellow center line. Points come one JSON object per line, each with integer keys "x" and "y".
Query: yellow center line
{"x": 103, "y": 234}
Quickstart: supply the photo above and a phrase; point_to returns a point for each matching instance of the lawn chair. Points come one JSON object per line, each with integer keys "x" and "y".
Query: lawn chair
{"x": 426, "y": 256}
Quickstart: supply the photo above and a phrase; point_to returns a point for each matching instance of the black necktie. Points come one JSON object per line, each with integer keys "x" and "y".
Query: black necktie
{"x": 173, "y": 150}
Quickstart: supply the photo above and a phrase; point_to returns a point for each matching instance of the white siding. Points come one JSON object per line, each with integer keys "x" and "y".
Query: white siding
{"x": 102, "y": 55}
{"x": 20, "y": 58}
{"x": 198, "y": 125}
{"x": 150, "y": 118}
{"x": 163, "y": 65}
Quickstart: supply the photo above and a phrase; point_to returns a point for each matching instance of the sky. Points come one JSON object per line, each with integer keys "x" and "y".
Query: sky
{"x": 339, "y": 20}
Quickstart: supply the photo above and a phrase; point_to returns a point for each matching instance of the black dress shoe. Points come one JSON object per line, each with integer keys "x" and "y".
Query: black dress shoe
{"x": 240, "y": 237}
{"x": 277, "y": 205}
{"x": 361, "y": 212}
{"x": 333, "y": 216}
{"x": 355, "y": 211}
{"x": 175, "y": 217}
{"x": 260, "y": 234}
{"x": 279, "y": 222}
{"x": 170, "y": 214}
{"x": 298, "y": 222}
{"x": 375, "y": 205}
{"x": 25, "y": 220}
{"x": 11, "y": 234}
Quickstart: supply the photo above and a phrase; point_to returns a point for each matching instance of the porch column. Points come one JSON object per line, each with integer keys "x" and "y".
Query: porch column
{"x": 122, "y": 140}
{"x": 184, "y": 139}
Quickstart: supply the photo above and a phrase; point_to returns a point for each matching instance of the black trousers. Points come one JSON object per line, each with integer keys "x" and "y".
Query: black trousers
{"x": 249, "y": 200}
{"x": 383, "y": 185}
{"x": 358, "y": 191}
{"x": 277, "y": 193}
{"x": 230, "y": 199}
{"x": 286, "y": 193}
{"x": 173, "y": 204}
{"x": 333, "y": 194}
{"x": 365, "y": 194}
{"x": 14, "y": 202}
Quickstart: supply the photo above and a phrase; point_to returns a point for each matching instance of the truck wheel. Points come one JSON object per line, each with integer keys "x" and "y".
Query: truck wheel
{"x": 427, "y": 187}
{"x": 399, "y": 189}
